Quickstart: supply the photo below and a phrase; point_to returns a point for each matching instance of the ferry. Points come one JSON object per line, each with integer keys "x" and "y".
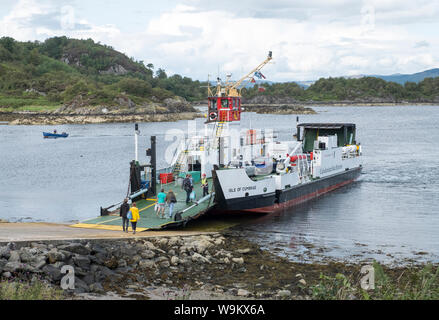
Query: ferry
{"x": 324, "y": 157}
{"x": 250, "y": 170}
{"x": 253, "y": 172}
{"x": 247, "y": 169}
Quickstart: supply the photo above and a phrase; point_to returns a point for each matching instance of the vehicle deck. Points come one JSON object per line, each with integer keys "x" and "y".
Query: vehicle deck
{"x": 148, "y": 218}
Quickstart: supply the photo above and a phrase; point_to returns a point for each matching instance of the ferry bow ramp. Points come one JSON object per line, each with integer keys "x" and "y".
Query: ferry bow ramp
{"x": 251, "y": 171}
{"x": 144, "y": 194}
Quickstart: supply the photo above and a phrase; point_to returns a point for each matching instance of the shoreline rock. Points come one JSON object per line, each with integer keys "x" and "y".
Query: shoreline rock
{"x": 218, "y": 265}
{"x": 277, "y": 109}
{"x": 291, "y": 100}
{"x": 101, "y": 266}
{"x": 55, "y": 119}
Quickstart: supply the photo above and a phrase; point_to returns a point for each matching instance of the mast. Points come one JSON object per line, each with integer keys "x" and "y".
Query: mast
{"x": 136, "y": 142}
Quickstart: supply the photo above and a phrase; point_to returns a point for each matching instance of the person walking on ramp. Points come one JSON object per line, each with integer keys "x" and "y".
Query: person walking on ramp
{"x": 134, "y": 216}
{"x": 171, "y": 200}
{"x": 161, "y": 203}
{"x": 205, "y": 185}
{"x": 187, "y": 186}
{"x": 124, "y": 208}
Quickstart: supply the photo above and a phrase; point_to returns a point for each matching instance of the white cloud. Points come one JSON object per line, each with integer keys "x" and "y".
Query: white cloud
{"x": 309, "y": 39}
{"x": 12, "y": 24}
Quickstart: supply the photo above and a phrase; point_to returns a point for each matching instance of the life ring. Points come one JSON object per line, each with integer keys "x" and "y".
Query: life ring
{"x": 212, "y": 116}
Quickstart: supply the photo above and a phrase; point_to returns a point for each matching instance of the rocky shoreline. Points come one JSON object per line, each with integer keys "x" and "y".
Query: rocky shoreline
{"x": 366, "y": 101}
{"x": 123, "y": 109}
{"x": 277, "y": 109}
{"x": 208, "y": 266}
{"x": 29, "y": 118}
{"x": 58, "y": 118}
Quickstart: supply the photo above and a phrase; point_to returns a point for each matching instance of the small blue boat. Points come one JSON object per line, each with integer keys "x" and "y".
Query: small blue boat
{"x": 55, "y": 135}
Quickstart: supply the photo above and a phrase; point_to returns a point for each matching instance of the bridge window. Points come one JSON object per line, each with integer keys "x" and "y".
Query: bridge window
{"x": 235, "y": 103}
{"x": 212, "y": 104}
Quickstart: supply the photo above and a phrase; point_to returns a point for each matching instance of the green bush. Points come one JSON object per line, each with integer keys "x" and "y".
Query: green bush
{"x": 135, "y": 86}
{"x": 161, "y": 94}
{"x": 410, "y": 284}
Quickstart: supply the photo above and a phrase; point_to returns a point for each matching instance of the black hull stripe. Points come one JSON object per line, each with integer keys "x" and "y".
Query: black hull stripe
{"x": 286, "y": 198}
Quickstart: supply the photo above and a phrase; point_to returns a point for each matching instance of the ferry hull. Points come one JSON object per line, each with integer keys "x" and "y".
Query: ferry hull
{"x": 286, "y": 198}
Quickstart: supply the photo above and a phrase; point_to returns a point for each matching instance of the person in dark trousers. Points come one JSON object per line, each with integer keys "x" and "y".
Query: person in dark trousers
{"x": 124, "y": 208}
{"x": 134, "y": 216}
{"x": 171, "y": 200}
{"x": 187, "y": 186}
{"x": 205, "y": 185}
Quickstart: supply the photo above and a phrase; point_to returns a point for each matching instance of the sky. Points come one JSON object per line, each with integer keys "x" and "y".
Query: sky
{"x": 309, "y": 39}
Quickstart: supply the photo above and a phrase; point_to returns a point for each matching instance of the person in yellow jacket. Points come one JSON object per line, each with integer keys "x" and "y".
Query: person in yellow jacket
{"x": 134, "y": 216}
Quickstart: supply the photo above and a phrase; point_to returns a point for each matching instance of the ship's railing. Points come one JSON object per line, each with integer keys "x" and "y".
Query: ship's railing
{"x": 350, "y": 154}
{"x": 198, "y": 143}
{"x": 164, "y": 170}
{"x": 181, "y": 148}
{"x": 191, "y": 144}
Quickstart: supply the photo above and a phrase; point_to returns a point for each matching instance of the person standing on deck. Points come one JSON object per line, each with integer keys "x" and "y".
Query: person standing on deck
{"x": 161, "y": 203}
{"x": 187, "y": 186}
{"x": 205, "y": 185}
{"x": 124, "y": 208}
{"x": 171, "y": 200}
{"x": 134, "y": 217}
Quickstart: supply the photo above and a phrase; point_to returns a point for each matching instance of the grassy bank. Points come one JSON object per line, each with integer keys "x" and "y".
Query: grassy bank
{"x": 37, "y": 290}
{"x": 397, "y": 284}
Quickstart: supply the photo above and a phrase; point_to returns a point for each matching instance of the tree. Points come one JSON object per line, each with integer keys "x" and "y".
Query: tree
{"x": 8, "y": 43}
{"x": 135, "y": 86}
{"x": 34, "y": 57}
{"x": 161, "y": 74}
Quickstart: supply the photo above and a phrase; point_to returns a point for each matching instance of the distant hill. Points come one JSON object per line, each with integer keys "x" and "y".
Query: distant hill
{"x": 305, "y": 84}
{"x": 354, "y": 90}
{"x": 397, "y": 77}
{"x": 415, "y": 77}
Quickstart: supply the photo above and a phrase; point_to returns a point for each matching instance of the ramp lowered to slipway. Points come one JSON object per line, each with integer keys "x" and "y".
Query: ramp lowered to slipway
{"x": 148, "y": 218}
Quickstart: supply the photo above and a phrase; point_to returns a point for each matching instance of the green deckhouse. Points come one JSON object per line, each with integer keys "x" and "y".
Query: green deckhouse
{"x": 308, "y": 133}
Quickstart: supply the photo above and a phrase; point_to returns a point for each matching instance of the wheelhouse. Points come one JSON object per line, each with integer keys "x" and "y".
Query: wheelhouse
{"x": 224, "y": 109}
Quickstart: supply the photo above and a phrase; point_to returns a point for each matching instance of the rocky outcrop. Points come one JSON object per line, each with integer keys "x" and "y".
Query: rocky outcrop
{"x": 123, "y": 109}
{"x": 265, "y": 100}
{"x": 32, "y": 90}
{"x": 177, "y": 104}
{"x": 54, "y": 119}
{"x": 278, "y": 109}
{"x": 122, "y": 104}
{"x": 116, "y": 70}
{"x": 98, "y": 263}
{"x": 207, "y": 262}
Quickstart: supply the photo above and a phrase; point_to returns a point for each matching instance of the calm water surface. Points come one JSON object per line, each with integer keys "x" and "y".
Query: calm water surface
{"x": 391, "y": 213}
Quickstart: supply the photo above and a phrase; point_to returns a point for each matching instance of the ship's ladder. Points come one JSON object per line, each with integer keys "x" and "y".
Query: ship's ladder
{"x": 180, "y": 163}
{"x": 219, "y": 128}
